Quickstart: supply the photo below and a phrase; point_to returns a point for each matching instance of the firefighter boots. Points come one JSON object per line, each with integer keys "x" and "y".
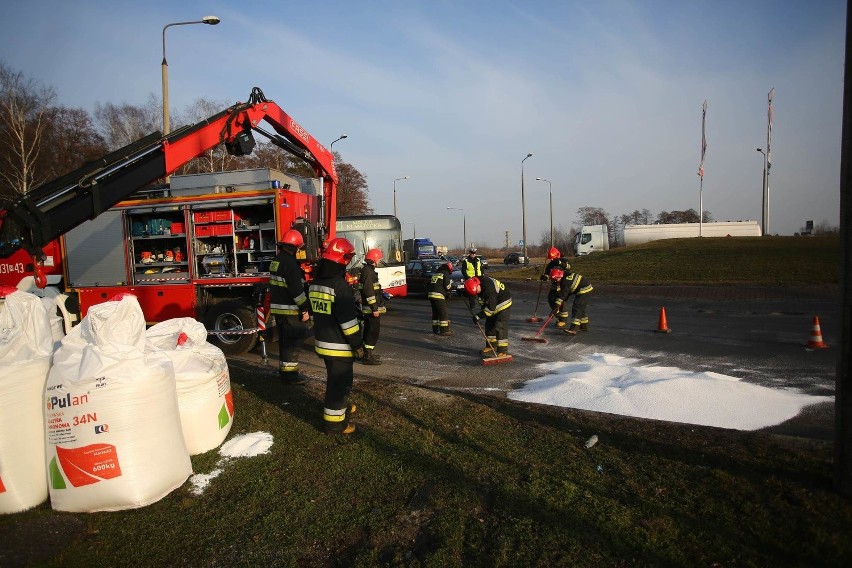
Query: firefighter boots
{"x": 446, "y": 332}
{"x": 584, "y": 327}
{"x": 371, "y": 358}
{"x": 573, "y": 329}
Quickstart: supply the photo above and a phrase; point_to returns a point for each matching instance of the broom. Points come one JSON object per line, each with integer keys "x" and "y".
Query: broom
{"x": 537, "y": 338}
{"x": 535, "y": 317}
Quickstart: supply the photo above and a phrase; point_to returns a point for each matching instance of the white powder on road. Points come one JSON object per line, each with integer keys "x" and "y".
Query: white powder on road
{"x": 242, "y": 446}
{"x": 618, "y": 385}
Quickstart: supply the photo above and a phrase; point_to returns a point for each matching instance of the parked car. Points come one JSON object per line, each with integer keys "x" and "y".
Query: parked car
{"x": 456, "y": 282}
{"x": 483, "y": 260}
{"x": 419, "y": 272}
{"x": 515, "y": 258}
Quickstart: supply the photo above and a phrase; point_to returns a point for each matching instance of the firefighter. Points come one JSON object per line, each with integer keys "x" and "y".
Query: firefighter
{"x": 570, "y": 283}
{"x": 494, "y": 300}
{"x": 438, "y": 292}
{"x": 471, "y": 267}
{"x": 337, "y": 332}
{"x": 289, "y": 305}
{"x": 556, "y": 260}
{"x": 372, "y": 305}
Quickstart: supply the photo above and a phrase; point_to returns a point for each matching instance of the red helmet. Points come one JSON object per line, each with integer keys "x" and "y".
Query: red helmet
{"x": 374, "y": 255}
{"x": 553, "y": 253}
{"x": 449, "y": 266}
{"x": 339, "y": 250}
{"x": 556, "y": 274}
{"x": 293, "y": 237}
{"x": 472, "y": 286}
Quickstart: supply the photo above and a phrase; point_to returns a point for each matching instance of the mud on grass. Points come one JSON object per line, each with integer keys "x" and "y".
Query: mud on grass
{"x": 434, "y": 478}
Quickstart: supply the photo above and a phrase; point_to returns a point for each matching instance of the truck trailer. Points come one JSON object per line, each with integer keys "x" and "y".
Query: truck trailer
{"x": 638, "y": 234}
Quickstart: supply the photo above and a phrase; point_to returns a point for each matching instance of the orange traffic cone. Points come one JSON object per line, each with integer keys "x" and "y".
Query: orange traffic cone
{"x": 663, "y": 326}
{"x": 816, "y": 341}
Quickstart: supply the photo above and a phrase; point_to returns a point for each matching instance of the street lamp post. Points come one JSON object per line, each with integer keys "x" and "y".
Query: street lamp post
{"x": 209, "y": 20}
{"x": 394, "y": 193}
{"x": 464, "y": 227}
{"x": 331, "y": 146}
{"x": 765, "y": 219}
{"x": 551, "y": 208}
{"x": 524, "y": 207}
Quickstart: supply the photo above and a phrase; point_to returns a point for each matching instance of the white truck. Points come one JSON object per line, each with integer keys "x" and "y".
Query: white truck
{"x": 591, "y": 238}
{"x": 638, "y": 234}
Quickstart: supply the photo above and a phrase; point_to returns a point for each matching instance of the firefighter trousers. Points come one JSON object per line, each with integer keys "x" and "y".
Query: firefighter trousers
{"x": 291, "y": 336}
{"x": 337, "y": 388}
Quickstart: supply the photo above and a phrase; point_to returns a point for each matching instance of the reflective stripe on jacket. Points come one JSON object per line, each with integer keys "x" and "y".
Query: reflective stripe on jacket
{"x": 286, "y": 286}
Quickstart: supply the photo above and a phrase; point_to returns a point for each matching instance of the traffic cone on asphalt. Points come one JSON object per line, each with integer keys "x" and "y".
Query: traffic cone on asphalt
{"x": 816, "y": 341}
{"x": 663, "y": 326}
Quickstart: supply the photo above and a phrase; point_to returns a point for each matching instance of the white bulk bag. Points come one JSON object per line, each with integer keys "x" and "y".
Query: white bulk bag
{"x": 26, "y": 344}
{"x": 114, "y": 438}
{"x": 203, "y": 382}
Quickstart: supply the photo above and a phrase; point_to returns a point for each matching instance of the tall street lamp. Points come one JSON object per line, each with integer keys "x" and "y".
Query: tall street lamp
{"x": 524, "y": 207}
{"x": 765, "y": 219}
{"x": 551, "y": 209}
{"x": 464, "y": 227}
{"x": 209, "y": 20}
{"x": 331, "y": 146}
{"x": 394, "y": 193}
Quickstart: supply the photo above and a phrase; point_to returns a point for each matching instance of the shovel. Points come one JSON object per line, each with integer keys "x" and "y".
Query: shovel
{"x": 536, "y": 337}
{"x": 535, "y": 317}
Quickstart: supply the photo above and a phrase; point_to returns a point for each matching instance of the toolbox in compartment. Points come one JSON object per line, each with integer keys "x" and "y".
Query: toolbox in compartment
{"x": 223, "y": 230}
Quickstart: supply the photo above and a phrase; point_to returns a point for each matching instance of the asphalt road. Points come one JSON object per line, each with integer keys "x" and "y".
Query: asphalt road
{"x": 756, "y": 334}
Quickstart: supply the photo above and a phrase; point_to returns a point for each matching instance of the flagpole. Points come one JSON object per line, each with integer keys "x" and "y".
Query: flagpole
{"x": 768, "y": 163}
{"x": 701, "y": 168}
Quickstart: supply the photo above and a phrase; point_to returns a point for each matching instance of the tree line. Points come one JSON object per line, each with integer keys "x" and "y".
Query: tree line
{"x": 41, "y": 140}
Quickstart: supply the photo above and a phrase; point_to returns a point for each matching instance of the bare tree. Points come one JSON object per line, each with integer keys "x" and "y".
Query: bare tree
{"x": 73, "y": 141}
{"x": 124, "y": 124}
{"x": 352, "y": 191}
{"x": 24, "y": 103}
{"x": 592, "y": 216}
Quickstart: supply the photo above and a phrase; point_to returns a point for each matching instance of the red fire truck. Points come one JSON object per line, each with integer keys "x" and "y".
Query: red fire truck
{"x": 103, "y": 230}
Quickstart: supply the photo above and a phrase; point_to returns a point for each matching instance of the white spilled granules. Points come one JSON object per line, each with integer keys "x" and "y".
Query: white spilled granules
{"x": 242, "y": 446}
{"x": 619, "y": 385}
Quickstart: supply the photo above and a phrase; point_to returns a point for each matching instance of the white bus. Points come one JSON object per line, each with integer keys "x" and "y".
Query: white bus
{"x": 383, "y": 232}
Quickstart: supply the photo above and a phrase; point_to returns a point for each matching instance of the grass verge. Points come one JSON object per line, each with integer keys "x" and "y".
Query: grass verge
{"x": 753, "y": 261}
{"x": 440, "y": 479}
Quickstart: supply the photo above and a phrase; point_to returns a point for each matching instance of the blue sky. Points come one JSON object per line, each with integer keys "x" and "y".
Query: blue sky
{"x": 606, "y": 95}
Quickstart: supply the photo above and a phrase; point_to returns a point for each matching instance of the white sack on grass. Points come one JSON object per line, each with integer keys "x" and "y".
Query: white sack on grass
{"x": 26, "y": 344}
{"x": 114, "y": 438}
{"x": 203, "y": 382}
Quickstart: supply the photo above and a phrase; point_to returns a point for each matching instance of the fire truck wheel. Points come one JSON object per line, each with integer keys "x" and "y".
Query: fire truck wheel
{"x": 235, "y": 317}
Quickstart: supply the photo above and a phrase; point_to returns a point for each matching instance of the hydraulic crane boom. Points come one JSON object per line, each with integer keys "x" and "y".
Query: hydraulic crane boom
{"x": 58, "y": 206}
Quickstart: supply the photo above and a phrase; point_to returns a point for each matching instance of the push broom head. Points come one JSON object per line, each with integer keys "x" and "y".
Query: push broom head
{"x": 497, "y": 360}
{"x": 534, "y": 319}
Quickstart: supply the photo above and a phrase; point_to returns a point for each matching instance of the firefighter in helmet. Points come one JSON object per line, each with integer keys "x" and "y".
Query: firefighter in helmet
{"x": 372, "y": 305}
{"x": 289, "y": 305}
{"x": 568, "y": 283}
{"x": 471, "y": 267}
{"x": 438, "y": 292}
{"x": 555, "y": 261}
{"x": 337, "y": 332}
{"x": 495, "y": 302}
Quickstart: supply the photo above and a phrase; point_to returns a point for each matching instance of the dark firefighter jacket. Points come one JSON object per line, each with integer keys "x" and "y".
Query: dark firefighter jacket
{"x": 572, "y": 283}
{"x": 493, "y": 296}
{"x": 371, "y": 291}
{"x": 439, "y": 286}
{"x": 336, "y": 327}
{"x": 286, "y": 285}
